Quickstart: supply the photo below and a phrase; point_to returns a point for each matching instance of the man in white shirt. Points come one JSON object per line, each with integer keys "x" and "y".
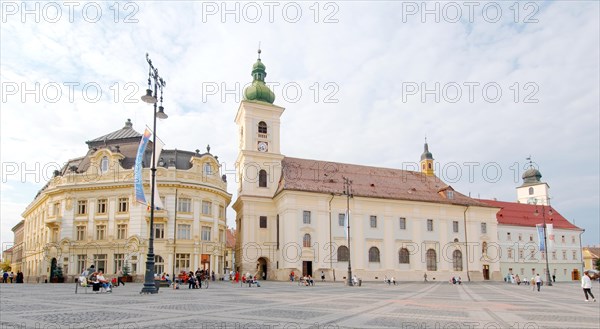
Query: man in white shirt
{"x": 538, "y": 281}
{"x": 586, "y": 284}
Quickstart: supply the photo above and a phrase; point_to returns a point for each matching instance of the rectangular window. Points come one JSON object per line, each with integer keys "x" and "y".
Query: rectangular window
{"x": 123, "y": 204}
{"x": 100, "y": 262}
{"x": 263, "y": 221}
{"x": 81, "y": 263}
{"x": 554, "y": 255}
{"x": 573, "y": 239}
{"x": 56, "y": 210}
{"x": 562, "y": 239}
{"x": 430, "y": 225}
{"x": 521, "y": 254}
{"x": 402, "y": 223}
{"x": 342, "y": 220}
{"x": 450, "y": 195}
{"x": 182, "y": 262}
{"x": 81, "y": 232}
{"x": 483, "y": 228}
{"x": 306, "y": 217}
{"x": 455, "y": 226}
{"x": 221, "y": 236}
{"x": 373, "y": 221}
{"x": 221, "y": 212}
{"x": 207, "y": 208}
{"x": 100, "y": 232}
{"x": 574, "y": 255}
{"x": 82, "y": 207}
{"x": 184, "y": 205}
{"x": 530, "y": 237}
{"x": 159, "y": 231}
{"x": 118, "y": 263}
{"x": 101, "y": 208}
{"x": 564, "y": 254}
{"x": 184, "y": 231}
{"x": 520, "y": 237}
{"x": 510, "y": 253}
{"x": 206, "y": 233}
{"x": 122, "y": 231}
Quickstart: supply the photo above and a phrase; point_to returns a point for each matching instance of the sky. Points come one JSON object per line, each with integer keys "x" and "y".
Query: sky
{"x": 489, "y": 84}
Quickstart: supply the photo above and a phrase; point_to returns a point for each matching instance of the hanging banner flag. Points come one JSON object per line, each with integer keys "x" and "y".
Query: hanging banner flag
{"x": 540, "y": 230}
{"x": 346, "y": 225}
{"x": 550, "y": 234}
{"x": 159, "y": 146}
{"x": 138, "y": 184}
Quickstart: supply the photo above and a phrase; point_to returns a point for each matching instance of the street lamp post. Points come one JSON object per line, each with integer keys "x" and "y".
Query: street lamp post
{"x": 347, "y": 183}
{"x": 151, "y": 98}
{"x": 548, "y": 279}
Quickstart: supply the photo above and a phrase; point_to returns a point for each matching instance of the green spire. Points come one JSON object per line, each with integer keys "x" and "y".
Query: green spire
{"x": 259, "y": 91}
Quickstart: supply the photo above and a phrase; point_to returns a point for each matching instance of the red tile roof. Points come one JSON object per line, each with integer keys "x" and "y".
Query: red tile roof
{"x": 522, "y": 214}
{"x": 373, "y": 182}
{"x": 230, "y": 238}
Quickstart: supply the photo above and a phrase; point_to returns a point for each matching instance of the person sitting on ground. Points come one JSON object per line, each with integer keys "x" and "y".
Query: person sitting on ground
{"x": 393, "y": 280}
{"x": 459, "y": 280}
{"x": 255, "y": 281}
{"x": 310, "y": 280}
{"x": 354, "y": 280}
{"x": 453, "y": 280}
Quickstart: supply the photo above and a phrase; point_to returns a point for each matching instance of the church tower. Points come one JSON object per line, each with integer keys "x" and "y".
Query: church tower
{"x": 533, "y": 190}
{"x": 259, "y": 170}
{"x": 258, "y": 120}
{"x": 427, "y": 161}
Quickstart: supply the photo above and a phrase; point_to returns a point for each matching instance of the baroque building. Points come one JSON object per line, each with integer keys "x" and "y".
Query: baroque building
{"x": 87, "y": 214}
{"x": 290, "y": 212}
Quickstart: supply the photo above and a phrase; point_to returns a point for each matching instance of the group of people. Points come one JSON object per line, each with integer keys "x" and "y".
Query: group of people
{"x": 12, "y": 278}
{"x": 193, "y": 279}
{"x": 389, "y": 281}
{"x": 97, "y": 279}
{"x": 456, "y": 280}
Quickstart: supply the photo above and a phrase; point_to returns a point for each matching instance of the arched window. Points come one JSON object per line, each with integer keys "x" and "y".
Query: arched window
{"x": 531, "y": 191}
{"x": 431, "y": 260}
{"x": 262, "y": 178}
{"x": 429, "y": 165}
{"x": 403, "y": 256}
{"x": 306, "y": 240}
{"x": 343, "y": 254}
{"x": 104, "y": 165}
{"x": 373, "y": 255}
{"x": 262, "y": 127}
{"x": 457, "y": 260}
{"x": 484, "y": 248}
{"x": 159, "y": 265}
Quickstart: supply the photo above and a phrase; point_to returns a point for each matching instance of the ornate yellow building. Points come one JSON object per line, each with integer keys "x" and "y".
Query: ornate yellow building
{"x": 87, "y": 214}
{"x": 290, "y": 212}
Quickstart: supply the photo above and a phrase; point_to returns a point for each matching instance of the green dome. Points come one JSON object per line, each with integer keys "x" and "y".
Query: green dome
{"x": 259, "y": 91}
{"x": 532, "y": 175}
{"x": 426, "y": 154}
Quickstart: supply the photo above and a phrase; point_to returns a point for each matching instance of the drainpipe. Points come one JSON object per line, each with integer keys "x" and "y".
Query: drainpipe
{"x": 466, "y": 242}
{"x": 175, "y": 236}
{"x": 330, "y": 243}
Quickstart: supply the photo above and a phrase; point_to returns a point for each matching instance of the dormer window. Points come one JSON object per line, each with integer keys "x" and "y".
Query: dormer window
{"x": 104, "y": 165}
{"x": 262, "y": 129}
{"x": 207, "y": 169}
{"x": 450, "y": 195}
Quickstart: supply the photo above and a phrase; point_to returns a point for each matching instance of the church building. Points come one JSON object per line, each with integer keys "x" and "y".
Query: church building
{"x": 315, "y": 216}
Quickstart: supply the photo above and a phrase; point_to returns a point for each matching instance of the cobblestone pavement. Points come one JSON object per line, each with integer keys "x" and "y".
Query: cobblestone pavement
{"x": 286, "y": 305}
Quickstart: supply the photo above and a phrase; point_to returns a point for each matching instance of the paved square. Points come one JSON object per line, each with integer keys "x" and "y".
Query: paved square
{"x": 287, "y": 305}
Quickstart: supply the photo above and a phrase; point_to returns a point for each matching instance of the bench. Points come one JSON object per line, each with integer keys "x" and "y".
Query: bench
{"x": 163, "y": 283}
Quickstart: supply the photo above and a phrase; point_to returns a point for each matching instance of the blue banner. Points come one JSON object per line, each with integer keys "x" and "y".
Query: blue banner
{"x": 540, "y": 230}
{"x": 138, "y": 183}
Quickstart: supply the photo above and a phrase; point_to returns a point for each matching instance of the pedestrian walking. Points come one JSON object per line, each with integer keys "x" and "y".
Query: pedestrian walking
{"x": 532, "y": 282}
{"x": 554, "y": 278}
{"x": 322, "y": 276}
{"x": 425, "y": 277}
{"x": 586, "y": 284}
{"x": 538, "y": 281}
